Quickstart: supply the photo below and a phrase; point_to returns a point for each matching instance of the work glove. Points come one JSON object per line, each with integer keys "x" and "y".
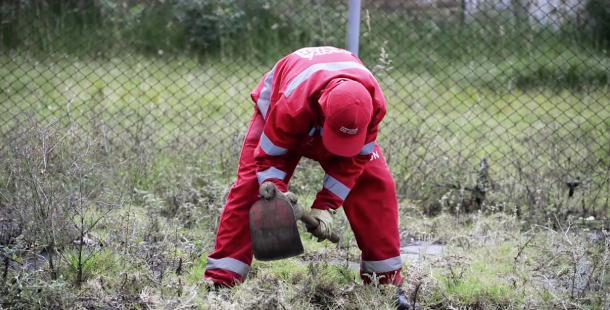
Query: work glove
{"x": 268, "y": 190}
{"x": 324, "y": 230}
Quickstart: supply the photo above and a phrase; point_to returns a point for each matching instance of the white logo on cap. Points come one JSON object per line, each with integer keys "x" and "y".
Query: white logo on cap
{"x": 349, "y": 131}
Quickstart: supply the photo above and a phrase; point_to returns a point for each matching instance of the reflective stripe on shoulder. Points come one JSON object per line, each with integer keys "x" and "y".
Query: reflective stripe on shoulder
{"x": 270, "y": 148}
{"x": 382, "y": 266}
{"x": 264, "y": 99}
{"x": 336, "y": 187}
{"x": 367, "y": 148}
{"x": 228, "y": 263}
{"x": 331, "y": 66}
{"x": 270, "y": 173}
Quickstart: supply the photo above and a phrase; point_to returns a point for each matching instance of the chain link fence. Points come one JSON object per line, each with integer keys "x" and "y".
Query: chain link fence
{"x": 491, "y": 104}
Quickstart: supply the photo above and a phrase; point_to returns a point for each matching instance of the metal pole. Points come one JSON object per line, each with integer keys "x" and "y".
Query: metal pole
{"x": 353, "y": 30}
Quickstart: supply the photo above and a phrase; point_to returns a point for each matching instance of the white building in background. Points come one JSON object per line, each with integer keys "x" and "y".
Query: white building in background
{"x": 553, "y": 13}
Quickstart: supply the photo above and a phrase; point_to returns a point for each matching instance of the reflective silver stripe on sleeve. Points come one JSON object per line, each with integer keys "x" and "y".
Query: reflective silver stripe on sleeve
{"x": 270, "y": 173}
{"x": 332, "y": 66}
{"x": 381, "y": 266}
{"x": 228, "y": 263}
{"x": 264, "y": 99}
{"x": 312, "y": 131}
{"x": 270, "y": 148}
{"x": 335, "y": 187}
{"x": 367, "y": 148}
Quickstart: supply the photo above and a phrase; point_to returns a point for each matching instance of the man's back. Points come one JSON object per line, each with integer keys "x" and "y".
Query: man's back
{"x": 301, "y": 75}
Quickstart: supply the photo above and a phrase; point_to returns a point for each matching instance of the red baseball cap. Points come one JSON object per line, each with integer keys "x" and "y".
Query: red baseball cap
{"x": 348, "y": 110}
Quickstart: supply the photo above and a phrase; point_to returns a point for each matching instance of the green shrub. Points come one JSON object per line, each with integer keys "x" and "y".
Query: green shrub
{"x": 229, "y": 28}
{"x": 599, "y": 10}
{"x": 151, "y": 28}
{"x": 208, "y": 22}
{"x": 236, "y": 27}
{"x": 30, "y": 291}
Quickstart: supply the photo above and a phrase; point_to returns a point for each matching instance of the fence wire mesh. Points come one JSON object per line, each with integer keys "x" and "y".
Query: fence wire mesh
{"x": 503, "y": 102}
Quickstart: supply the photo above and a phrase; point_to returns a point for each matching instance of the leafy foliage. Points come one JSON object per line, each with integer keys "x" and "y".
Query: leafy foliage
{"x": 600, "y": 13}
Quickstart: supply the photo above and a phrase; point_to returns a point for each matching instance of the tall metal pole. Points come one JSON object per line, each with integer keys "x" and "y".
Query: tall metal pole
{"x": 353, "y": 30}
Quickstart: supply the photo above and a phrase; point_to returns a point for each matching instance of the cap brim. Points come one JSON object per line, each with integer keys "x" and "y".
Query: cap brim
{"x": 341, "y": 146}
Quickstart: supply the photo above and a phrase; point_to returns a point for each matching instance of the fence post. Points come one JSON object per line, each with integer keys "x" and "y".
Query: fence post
{"x": 353, "y": 30}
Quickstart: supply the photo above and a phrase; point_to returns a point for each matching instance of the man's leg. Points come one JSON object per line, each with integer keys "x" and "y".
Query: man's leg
{"x": 230, "y": 262}
{"x": 372, "y": 210}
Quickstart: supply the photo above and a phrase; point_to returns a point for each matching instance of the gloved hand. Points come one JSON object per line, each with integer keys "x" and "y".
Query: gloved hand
{"x": 268, "y": 190}
{"x": 324, "y": 230}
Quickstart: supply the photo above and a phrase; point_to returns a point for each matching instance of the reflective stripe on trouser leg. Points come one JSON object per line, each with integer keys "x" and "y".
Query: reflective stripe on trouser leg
{"x": 228, "y": 263}
{"x": 381, "y": 266}
{"x": 372, "y": 210}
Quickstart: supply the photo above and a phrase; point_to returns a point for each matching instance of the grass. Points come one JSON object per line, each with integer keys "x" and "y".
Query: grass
{"x": 155, "y": 241}
{"x": 484, "y": 279}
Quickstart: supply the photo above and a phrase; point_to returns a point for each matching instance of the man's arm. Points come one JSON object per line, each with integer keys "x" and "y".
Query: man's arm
{"x": 281, "y": 132}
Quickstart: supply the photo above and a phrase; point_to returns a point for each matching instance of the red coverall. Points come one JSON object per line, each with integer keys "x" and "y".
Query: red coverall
{"x": 285, "y": 127}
